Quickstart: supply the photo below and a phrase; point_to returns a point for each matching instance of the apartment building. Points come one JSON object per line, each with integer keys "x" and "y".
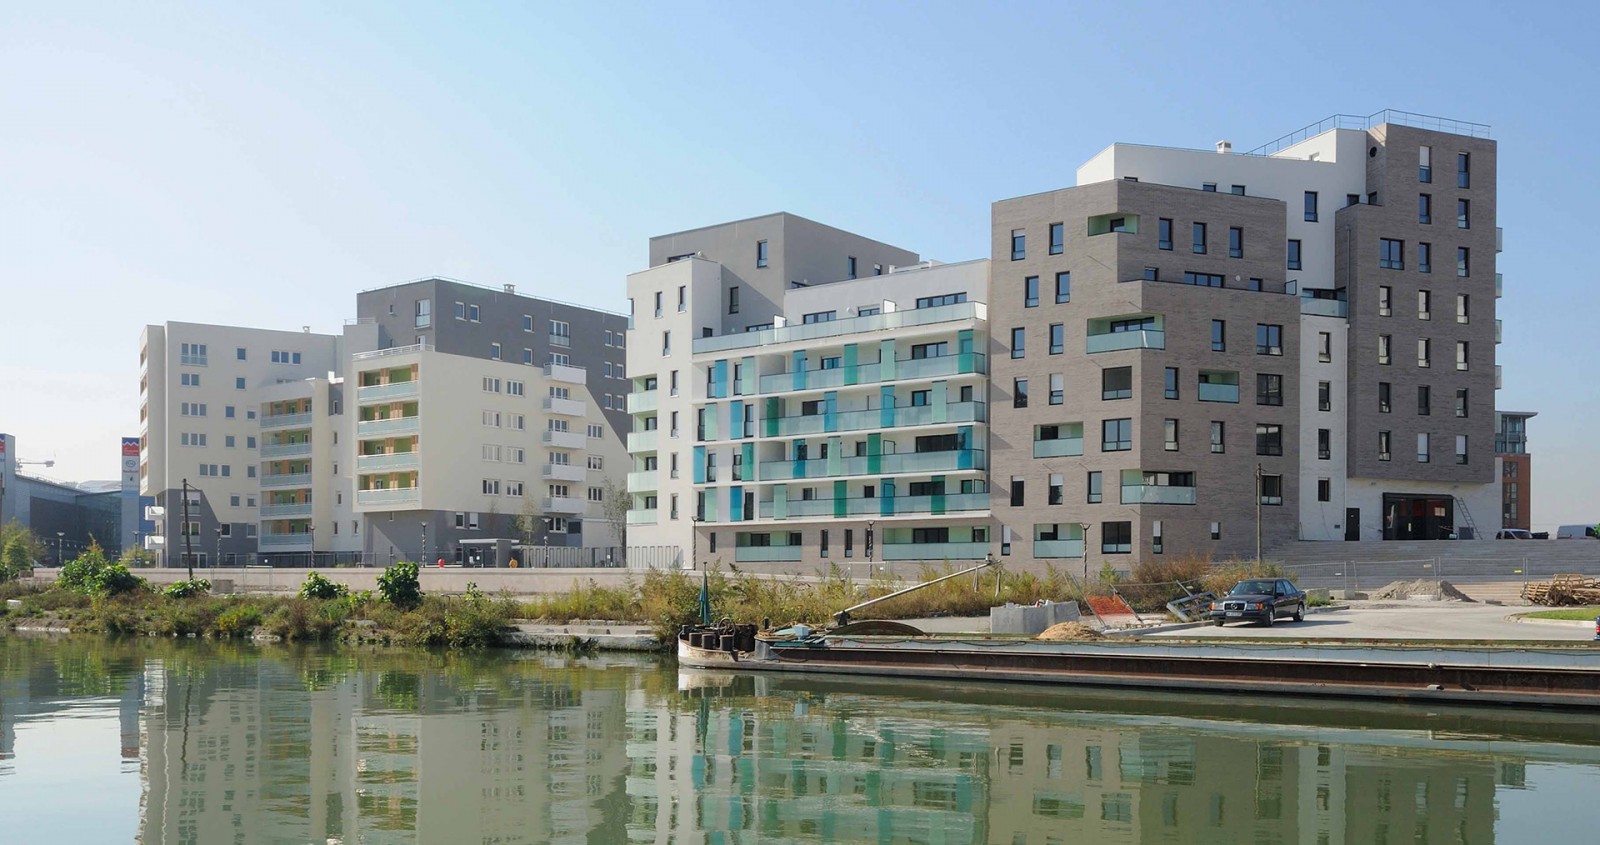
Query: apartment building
{"x": 1516, "y": 468}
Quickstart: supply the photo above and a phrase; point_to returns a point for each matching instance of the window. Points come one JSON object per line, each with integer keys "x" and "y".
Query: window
{"x": 1424, "y": 400}
{"x": 658, "y": 303}
{"x": 819, "y": 317}
{"x": 1294, "y": 254}
{"x": 1019, "y": 342}
{"x": 1463, "y": 170}
{"x": 1057, "y": 238}
{"x": 1116, "y": 383}
{"x": 666, "y": 344}
{"x": 761, "y": 253}
{"x": 1325, "y": 347}
{"x": 494, "y": 351}
{"x": 1269, "y": 439}
{"x": 1383, "y": 445}
{"x": 1019, "y": 244}
{"x": 1461, "y": 448}
{"x": 944, "y": 299}
{"x": 1169, "y": 430}
{"x": 1219, "y": 335}
{"x": 1424, "y": 257}
{"x": 1171, "y": 386}
{"x": 1424, "y": 164}
{"x": 189, "y": 379}
{"x": 1424, "y": 352}
{"x": 1463, "y": 312}
{"x": 850, "y": 267}
{"x": 1311, "y": 206}
{"x": 1018, "y": 491}
{"x": 1383, "y": 348}
{"x": 1030, "y": 292}
{"x": 1164, "y": 233}
{"x": 1094, "y": 488}
{"x": 1116, "y": 435}
{"x": 238, "y": 383}
{"x": 1269, "y": 389}
{"x": 1463, "y": 214}
{"x": 1461, "y": 402}
{"x": 1238, "y": 190}
{"x": 1063, "y": 287}
{"x": 1055, "y": 492}
{"x": 1424, "y": 305}
{"x": 1199, "y": 239}
{"x": 1269, "y": 339}
{"x": 1352, "y": 199}
{"x": 1424, "y": 208}
{"x": 1058, "y": 338}
{"x": 1385, "y": 300}
{"x": 1462, "y": 348}
{"x": 1271, "y": 489}
{"x": 1235, "y": 242}
{"x": 1058, "y": 388}
{"x": 1324, "y": 444}
{"x": 1324, "y": 396}
{"x": 527, "y": 355}
{"x": 1209, "y": 187}
{"x": 1204, "y": 280}
{"x": 1019, "y": 393}
{"x": 672, "y": 383}
{"x": 1391, "y": 254}
{"x": 1219, "y": 437}
{"x": 1152, "y": 274}
{"x": 1422, "y": 447}
{"x": 1116, "y": 538}
{"x": 1383, "y": 397}
{"x": 1463, "y": 262}
{"x": 1324, "y": 490}
{"x": 491, "y": 385}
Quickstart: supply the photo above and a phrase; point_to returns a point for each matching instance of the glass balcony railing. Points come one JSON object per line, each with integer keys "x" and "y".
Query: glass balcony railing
{"x": 297, "y": 509}
{"x": 293, "y": 479}
{"x": 564, "y": 439}
{"x": 919, "y": 462}
{"x": 565, "y": 407}
{"x": 388, "y": 427}
{"x": 287, "y": 421}
{"x": 562, "y": 504}
{"x": 393, "y": 497}
{"x": 564, "y": 472}
{"x": 642, "y": 441}
{"x": 765, "y": 554}
{"x": 642, "y": 517}
{"x": 885, "y": 506}
{"x": 1324, "y": 307}
{"x": 896, "y": 417}
{"x": 1151, "y": 494}
{"x": 386, "y": 462}
{"x": 566, "y": 373}
{"x": 836, "y": 328}
{"x": 1499, "y": 285}
{"x": 1147, "y": 339}
{"x": 1219, "y": 393}
{"x": 1060, "y": 447}
{"x": 904, "y": 368}
{"x": 934, "y": 552}
{"x": 638, "y": 482}
{"x": 387, "y": 392}
{"x": 280, "y": 541}
{"x": 1057, "y": 548}
{"x": 643, "y": 402}
{"x": 285, "y": 450}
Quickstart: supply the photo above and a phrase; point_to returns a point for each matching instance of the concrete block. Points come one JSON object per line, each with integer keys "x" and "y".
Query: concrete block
{"x": 1318, "y": 594}
{"x": 1030, "y": 620}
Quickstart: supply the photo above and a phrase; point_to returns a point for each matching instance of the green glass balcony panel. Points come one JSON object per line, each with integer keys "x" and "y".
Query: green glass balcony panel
{"x": 1146, "y": 339}
{"x": 1058, "y": 448}
{"x": 1151, "y": 494}
{"x": 1057, "y": 548}
{"x": 934, "y": 551}
{"x": 1219, "y": 393}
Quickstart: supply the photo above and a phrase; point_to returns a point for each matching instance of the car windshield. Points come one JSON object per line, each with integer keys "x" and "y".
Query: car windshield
{"x": 1247, "y": 588}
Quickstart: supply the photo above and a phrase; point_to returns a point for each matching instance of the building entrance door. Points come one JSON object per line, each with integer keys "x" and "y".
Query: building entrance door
{"x": 1416, "y": 517}
{"x": 1352, "y": 524}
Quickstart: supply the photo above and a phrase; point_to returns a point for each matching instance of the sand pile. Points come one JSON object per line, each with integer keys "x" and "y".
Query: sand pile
{"x": 1443, "y": 590}
{"x": 1069, "y": 631}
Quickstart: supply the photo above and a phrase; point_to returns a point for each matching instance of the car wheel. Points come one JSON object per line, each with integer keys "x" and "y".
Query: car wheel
{"x": 1271, "y": 617}
{"x": 1300, "y": 613}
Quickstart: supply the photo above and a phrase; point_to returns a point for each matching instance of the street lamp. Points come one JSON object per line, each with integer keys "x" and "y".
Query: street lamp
{"x": 694, "y": 541}
{"x": 311, "y": 533}
{"x": 1083, "y": 528}
{"x": 60, "y": 538}
{"x": 218, "y": 561}
{"x": 424, "y": 560}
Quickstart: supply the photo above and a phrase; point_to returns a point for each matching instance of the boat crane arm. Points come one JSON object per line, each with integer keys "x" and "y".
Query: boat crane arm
{"x": 842, "y": 618}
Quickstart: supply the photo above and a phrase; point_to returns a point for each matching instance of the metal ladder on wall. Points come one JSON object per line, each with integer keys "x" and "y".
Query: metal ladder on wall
{"x": 1467, "y": 517}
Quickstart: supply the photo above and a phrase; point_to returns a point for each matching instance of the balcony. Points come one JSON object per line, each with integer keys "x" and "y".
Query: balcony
{"x": 285, "y": 450}
{"x": 562, "y": 504}
{"x": 287, "y": 542}
{"x": 387, "y": 462}
{"x": 1499, "y": 285}
{"x": 642, "y": 517}
{"x": 287, "y": 421}
{"x": 1324, "y": 307}
{"x": 564, "y": 439}
{"x": 296, "y": 510}
{"x": 389, "y": 427}
{"x": 564, "y": 472}
{"x": 394, "y": 498}
{"x": 1219, "y": 393}
{"x": 1499, "y": 239}
{"x": 1043, "y": 549}
{"x": 902, "y": 416}
{"x": 1114, "y": 341}
{"x": 565, "y": 407}
{"x": 387, "y": 392}
{"x": 904, "y": 368}
{"x": 293, "y": 479}
{"x": 1058, "y": 448}
{"x": 885, "y": 506}
{"x": 934, "y": 551}
{"x": 911, "y": 462}
{"x": 639, "y": 482}
{"x": 642, "y": 441}
{"x": 643, "y": 402}
{"x": 812, "y": 331}
{"x": 1498, "y": 326}
{"x": 192, "y": 360}
{"x": 1151, "y": 494}
{"x": 390, "y": 352}
{"x": 766, "y": 554}
{"x": 566, "y": 373}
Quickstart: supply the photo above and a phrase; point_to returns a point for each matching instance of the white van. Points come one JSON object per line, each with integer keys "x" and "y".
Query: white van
{"x": 1575, "y": 532}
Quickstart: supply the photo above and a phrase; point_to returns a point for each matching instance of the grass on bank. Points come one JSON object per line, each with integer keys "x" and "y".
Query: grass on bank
{"x": 1577, "y": 614}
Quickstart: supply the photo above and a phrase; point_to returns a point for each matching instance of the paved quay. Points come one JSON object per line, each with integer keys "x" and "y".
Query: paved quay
{"x": 1400, "y": 621}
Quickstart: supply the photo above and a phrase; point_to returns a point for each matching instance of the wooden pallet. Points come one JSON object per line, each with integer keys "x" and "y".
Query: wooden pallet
{"x": 1563, "y": 591}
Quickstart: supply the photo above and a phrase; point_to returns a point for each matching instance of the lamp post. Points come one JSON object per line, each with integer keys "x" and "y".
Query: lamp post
{"x": 694, "y": 541}
{"x": 311, "y": 532}
{"x": 1083, "y": 528}
{"x": 218, "y": 561}
{"x": 424, "y": 560}
{"x": 60, "y": 539}
{"x": 870, "y": 523}
{"x": 1258, "y": 516}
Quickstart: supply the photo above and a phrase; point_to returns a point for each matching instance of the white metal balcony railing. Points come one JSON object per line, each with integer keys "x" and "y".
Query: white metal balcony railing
{"x": 566, "y": 373}
{"x": 278, "y": 541}
{"x": 562, "y": 504}
{"x": 291, "y": 511}
{"x": 1152, "y": 494}
{"x": 639, "y": 482}
{"x": 390, "y": 497}
{"x": 387, "y": 462}
{"x": 1113, "y": 341}
{"x": 302, "y": 420}
{"x": 935, "y": 551}
{"x": 565, "y": 407}
{"x": 564, "y": 439}
{"x": 642, "y": 441}
{"x": 389, "y": 427}
{"x": 836, "y": 328}
{"x": 766, "y": 554}
{"x": 390, "y": 352}
{"x": 293, "y": 479}
{"x": 285, "y": 450}
{"x": 1057, "y": 548}
{"x": 564, "y": 472}
{"x": 642, "y": 517}
{"x": 643, "y": 402}
{"x": 387, "y": 392}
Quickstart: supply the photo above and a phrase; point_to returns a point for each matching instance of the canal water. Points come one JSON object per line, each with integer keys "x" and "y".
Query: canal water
{"x": 202, "y": 742}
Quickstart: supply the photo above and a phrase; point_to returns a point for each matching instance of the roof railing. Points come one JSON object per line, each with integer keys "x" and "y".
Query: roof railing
{"x": 1357, "y": 122}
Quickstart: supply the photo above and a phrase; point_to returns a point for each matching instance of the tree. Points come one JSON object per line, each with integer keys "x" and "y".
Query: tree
{"x": 529, "y": 522}
{"x": 14, "y": 557}
{"x": 615, "y": 503}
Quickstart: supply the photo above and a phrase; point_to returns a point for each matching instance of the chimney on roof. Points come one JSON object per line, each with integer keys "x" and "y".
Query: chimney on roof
{"x": 511, "y": 288}
{"x": 1224, "y": 147}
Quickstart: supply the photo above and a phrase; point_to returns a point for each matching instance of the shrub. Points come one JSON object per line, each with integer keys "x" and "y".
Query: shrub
{"x": 82, "y": 573}
{"x": 318, "y": 587}
{"x": 399, "y": 585}
{"x": 14, "y": 558}
{"x": 115, "y": 579}
{"x": 238, "y": 620}
{"x": 184, "y": 589}
{"x": 298, "y": 619}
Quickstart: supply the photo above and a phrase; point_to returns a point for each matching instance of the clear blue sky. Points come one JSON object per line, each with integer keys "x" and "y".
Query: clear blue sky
{"x": 258, "y": 164}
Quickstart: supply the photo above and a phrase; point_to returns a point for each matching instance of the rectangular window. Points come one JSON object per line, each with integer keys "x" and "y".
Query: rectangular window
{"x": 1063, "y": 287}
{"x": 666, "y": 344}
{"x": 1058, "y": 338}
{"x": 1422, "y": 447}
{"x": 1424, "y": 400}
{"x": 1324, "y": 444}
{"x": 1019, "y": 244}
{"x": 1462, "y": 349}
{"x": 1325, "y": 347}
{"x": 1461, "y": 402}
{"x": 1019, "y": 341}
{"x": 1383, "y": 446}
{"x": 1463, "y": 262}
{"x": 1324, "y": 490}
{"x": 1424, "y": 352}
{"x": 1169, "y": 430}
{"x": 1235, "y": 242}
{"x": 1172, "y": 383}
{"x": 1030, "y": 292}
{"x": 1424, "y": 208}
{"x": 1324, "y": 396}
{"x": 1424, "y": 257}
{"x": 942, "y": 300}
{"x": 1204, "y": 280}
{"x": 1384, "y": 390}
{"x": 1116, "y": 435}
{"x": 1057, "y": 238}
{"x": 1116, "y": 383}
{"x": 1199, "y": 239}
{"x": 1018, "y": 491}
{"x": 1269, "y": 389}
{"x": 1271, "y": 489}
{"x": 1294, "y": 254}
{"x": 1463, "y": 170}
{"x": 1116, "y": 538}
{"x": 1311, "y": 206}
{"x": 819, "y": 317}
{"x": 658, "y": 303}
{"x": 1384, "y": 342}
{"x": 494, "y": 351}
{"x": 1238, "y": 190}
{"x": 1152, "y": 274}
{"x": 1019, "y": 393}
{"x": 761, "y": 253}
{"x": 1164, "y": 233}
{"x": 1219, "y": 335}
{"x": 1424, "y": 305}
{"x": 850, "y": 267}
{"x": 1425, "y": 164}
{"x": 1461, "y": 449}
{"x": 1055, "y": 494}
{"x": 1463, "y": 311}
{"x": 1269, "y": 339}
{"x": 1269, "y": 439}
{"x": 1219, "y": 437}
{"x": 1391, "y": 254}
{"x": 1209, "y": 187}
{"x": 1463, "y": 214}
{"x": 1093, "y": 487}
{"x": 1058, "y": 388}
{"x": 1385, "y": 300}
